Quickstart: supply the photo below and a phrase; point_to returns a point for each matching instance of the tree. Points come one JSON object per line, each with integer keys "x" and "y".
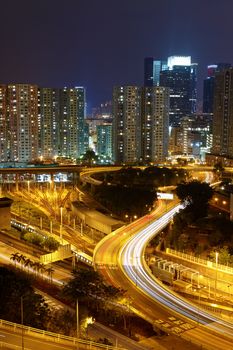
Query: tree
{"x": 33, "y": 238}
{"x": 14, "y": 286}
{"x": 224, "y": 256}
{"x": 218, "y": 169}
{"x": 89, "y": 157}
{"x": 87, "y": 285}
{"x": 195, "y": 195}
{"x": 50, "y": 243}
{"x": 15, "y": 257}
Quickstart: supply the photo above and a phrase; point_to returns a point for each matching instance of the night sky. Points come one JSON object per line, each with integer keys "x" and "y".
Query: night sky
{"x": 102, "y": 43}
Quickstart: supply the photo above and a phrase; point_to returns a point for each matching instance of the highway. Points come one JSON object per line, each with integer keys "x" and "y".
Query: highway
{"x": 120, "y": 258}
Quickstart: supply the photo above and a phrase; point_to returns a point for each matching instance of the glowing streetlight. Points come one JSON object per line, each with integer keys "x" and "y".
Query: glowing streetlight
{"x": 164, "y": 177}
{"x": 61, "y": 223}
{"x": 216, "y": 273}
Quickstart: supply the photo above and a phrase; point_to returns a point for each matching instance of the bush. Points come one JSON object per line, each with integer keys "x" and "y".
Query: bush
{"x": 50, "y": 243}
{"x": 33, "y": 238}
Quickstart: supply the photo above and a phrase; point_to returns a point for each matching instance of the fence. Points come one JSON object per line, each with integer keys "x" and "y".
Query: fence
{"x": 52, "y": 337}
{"x": 200, "y": 261}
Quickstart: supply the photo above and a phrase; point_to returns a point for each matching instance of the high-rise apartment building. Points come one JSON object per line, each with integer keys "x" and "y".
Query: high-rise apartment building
{"x": 72, "y": 142}
{"x": 152, "y": 69}
{"x": 3, "y": 123}
{"x": 209, "y": 83}
{"x": 41, "y": 122}
{"x": 160, "y": 124}
{"x": 140, "y": 124}
{"x": 127, "y": 124}
{"x": 18, "y": 122}
{"x": 48, "y": 122}
{"x": 223, "y": 113}
{"x": 104, "y": 142}
{"x": 180, "y": 76}
{"x": 154, "y": 124}
{"x": 192, "y": 137}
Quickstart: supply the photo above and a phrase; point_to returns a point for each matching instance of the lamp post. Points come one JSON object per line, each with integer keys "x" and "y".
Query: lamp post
{"x": 61, "y": 223}
{"x": 28, "y": 182}
{"x": 77, "y": 321}
{"x": 216, "y": 273}
{"x": 164, "y": 177}
{"x": 51, "y": 226}
{"x": 21, "y": 309}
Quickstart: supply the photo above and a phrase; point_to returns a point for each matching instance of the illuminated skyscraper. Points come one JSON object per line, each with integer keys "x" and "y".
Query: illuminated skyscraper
{"x": 20, "y": 107}
{"x": 152, "y": 69}
{"x": 140, "y": 124}
{"x": 155, "y": 124}
{"x": 127, "y": 124}
{"x": 208, "y": 88}
{"x": 223, "y": 113}
{"x": 72, "y": 128}
{"x": 180, "y": 76}
{"x": 48, "y": 122}
{"x": 104, "y": 142}
{"x": 3, "y": 123}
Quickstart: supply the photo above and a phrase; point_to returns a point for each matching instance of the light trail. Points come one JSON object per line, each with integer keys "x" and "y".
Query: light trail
{"x": 134, "y": 266}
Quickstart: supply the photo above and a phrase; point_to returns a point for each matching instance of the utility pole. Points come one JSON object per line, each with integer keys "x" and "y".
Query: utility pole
{"x": 21, "y": 308}
{"x": 77, "y": 321}
{"x": 216, "y": 273}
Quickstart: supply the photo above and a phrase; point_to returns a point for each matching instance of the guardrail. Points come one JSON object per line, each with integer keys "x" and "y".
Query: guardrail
{"x": 200, "y": 261}
{"x": 52, "y": 337}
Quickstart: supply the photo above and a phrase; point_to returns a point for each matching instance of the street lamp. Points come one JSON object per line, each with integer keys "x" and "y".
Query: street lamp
{"x": 77, "y": 321}
{"x": 216, "y": 273}
{"x": 21, "y": 309}
{"x": 61, "y": 212}
{"x": 164, "y": 177}
{"x": 28, "y": 182}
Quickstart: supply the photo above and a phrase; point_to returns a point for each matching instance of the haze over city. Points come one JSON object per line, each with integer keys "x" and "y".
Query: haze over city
{"x": 99, "y": 44}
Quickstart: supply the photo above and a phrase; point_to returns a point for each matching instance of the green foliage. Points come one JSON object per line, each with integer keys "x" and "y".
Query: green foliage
{"x": 33, "y": 238}
{"x": 125, "y": 200}
{"x": 218, "y": 169}
{"x": 13, "y": 286}
{"x": 105, "y": 341}
{"x": 50, "y": 243}
{"x": 89, "y": 157}
{"x": 224, "y": 256}
{"x": 196, "y": 195}
{"x": 63, "y": 322}
{"x": 87, "y": 285}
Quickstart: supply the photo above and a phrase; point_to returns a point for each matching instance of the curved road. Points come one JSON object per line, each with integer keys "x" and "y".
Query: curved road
{"x": 120, "y": 259}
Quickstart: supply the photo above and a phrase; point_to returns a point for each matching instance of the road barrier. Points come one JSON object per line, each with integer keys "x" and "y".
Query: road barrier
{"x": 52, "y": 337}
{"x": 200, "y": 261}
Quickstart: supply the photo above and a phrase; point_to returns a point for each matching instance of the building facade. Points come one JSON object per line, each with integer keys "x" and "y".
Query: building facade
{"x": 208, "y": 86}
{"x": 223, "y": 113}
{"x": 72, "y": 140}
{"x": 48, "y": 122}
{"x": 18, "y": 122}
{"x": 178, "y": 74}
{"x": 140, "y": 124}
{"x": 127, "y": 124}
{"x": 104, "y": 142}
{"x": 41, "y": 122}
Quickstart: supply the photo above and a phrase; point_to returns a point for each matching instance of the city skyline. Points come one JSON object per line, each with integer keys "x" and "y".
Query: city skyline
{"x": 101, "y": 45}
